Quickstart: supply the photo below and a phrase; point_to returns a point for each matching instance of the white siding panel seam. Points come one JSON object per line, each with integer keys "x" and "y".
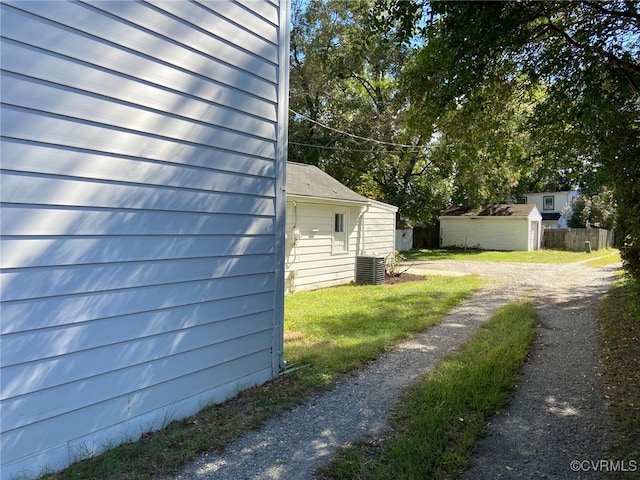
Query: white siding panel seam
{"x": 12, "y": 341}
{"x": 228, "y": 117}
{"x": 274, "y": 45}
{"x": 238, "y": 355}
{"x": 116, "y": 210}
{"x": 20, "y": 163}
{"x": 136, "y": 300}
{"x": 160, "y": 310}
{"x": 138, "y": 26}
{"x": 82, "y": 293}
{"x": 250, "y": 12}
{"x": 105, "y": 351}
{"x": 250, "y": 201}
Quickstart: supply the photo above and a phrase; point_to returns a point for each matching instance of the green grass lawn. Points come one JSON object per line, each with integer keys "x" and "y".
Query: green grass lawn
{"x": 620, "y": 338}
{"x": 537, "y": 256}
{"x": 337, "y": 329}
{"x": 328, "y": 332}
{"x": 438, "y": 422}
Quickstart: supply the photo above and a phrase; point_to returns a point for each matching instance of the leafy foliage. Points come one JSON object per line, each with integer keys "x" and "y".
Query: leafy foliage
{"x": 583, "y": 58}
{"x": 596, "y": 210}
{"x": 421, "y": 104}
{"x": 350, "y": 113}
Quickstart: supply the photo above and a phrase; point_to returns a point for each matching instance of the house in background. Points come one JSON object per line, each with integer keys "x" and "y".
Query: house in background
{"x": 143, "y": 216}
{"x": 497, "y": 227}
{"x": 328, "y": 226}
{"x": 556, "y": 207}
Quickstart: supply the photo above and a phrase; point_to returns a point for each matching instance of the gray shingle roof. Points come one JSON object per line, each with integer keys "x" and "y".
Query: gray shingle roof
{"x": 309, "y": 181}
{"x": 504, "y": 210}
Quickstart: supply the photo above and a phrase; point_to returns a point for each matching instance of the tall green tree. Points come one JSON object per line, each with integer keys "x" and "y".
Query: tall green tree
{"x": 586, "y": 56}
{"x": 349, "y": 112}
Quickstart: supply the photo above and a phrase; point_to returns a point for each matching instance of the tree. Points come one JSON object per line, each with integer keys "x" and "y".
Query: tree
{"x": 595, "y": 210}
{"x": 586, "y": 57}
{"x": 349, "y": 112}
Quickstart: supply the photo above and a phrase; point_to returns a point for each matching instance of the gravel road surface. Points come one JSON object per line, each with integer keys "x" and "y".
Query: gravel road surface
{"x": 556, "y": 416}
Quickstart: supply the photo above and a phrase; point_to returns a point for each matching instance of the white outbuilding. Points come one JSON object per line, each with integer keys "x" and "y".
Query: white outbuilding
{"x": 496, "y": 227}
{"x": 329, "y": 227}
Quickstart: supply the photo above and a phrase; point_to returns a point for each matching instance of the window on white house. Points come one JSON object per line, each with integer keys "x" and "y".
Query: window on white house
{"x": 340, "y": 240}
{"x": 339, "y": 223}
{"x": 547, "y": 203}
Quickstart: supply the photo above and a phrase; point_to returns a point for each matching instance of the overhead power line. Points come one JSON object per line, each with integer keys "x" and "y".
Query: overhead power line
{"x": 326, "y": 147}
{"x": 342, "y": 132}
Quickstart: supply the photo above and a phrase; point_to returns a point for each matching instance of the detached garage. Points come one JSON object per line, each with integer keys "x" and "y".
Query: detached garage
{"x": 497, "y": 227}
{"x": 328, "y": 227}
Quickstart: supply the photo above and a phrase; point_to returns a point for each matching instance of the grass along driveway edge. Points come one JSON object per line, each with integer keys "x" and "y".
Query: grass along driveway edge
{"x": 536, "y": 256}
{"x": 438, "y": 422}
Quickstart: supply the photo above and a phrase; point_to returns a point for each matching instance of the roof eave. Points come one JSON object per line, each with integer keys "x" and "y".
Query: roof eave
{"x": 316, "y": 199}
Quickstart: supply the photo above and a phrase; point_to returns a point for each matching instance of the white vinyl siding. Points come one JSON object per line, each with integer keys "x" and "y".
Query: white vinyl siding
{"x": 312, "y": 259}
{"x": 142, "y": 169}
{"x": 380, "y": 229}
{"x": 489, "y": 233}
{"x": 311, "y": 262}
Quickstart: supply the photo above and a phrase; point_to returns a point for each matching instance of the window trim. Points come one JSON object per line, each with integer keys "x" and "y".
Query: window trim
{"x": 340, "y": 219}
{"x": 544, "y": 202}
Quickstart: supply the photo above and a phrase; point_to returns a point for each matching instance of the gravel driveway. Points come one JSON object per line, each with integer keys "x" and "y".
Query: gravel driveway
{"x": 557, "y": 412}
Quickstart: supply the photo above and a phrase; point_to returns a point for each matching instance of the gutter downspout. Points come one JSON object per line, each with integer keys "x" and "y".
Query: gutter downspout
{"x": 277, "y": 341}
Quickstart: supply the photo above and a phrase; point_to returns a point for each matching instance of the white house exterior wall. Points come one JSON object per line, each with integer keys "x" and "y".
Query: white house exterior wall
{"x": 142, "y": 197}
{"x": 380, "y": 229}
{"x": 310, "y": 261}
{"x": 563, "y": 204}
{"x": 486, "y": 233}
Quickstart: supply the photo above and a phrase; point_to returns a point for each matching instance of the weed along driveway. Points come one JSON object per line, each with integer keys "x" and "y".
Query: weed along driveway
{"x": 556, "y": 414}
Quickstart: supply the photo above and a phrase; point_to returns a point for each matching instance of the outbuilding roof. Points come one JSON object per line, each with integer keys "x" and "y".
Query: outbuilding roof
{"x": 503, "y": 210}
{"x": 309, "y": 181}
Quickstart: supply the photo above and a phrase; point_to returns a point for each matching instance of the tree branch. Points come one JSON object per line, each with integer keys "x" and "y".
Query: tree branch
{"x": 623, "y": 66}
{"x": 628, "y": 14}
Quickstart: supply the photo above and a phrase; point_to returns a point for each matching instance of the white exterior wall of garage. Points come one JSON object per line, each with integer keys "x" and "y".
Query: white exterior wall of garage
{"x": 486, "y": 232}
{"x": 313, "y": 260}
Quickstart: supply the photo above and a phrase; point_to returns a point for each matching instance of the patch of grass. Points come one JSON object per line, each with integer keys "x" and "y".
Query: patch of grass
{"x": 620, "y": 337}
{"x": 537, "y": 256}
{"x": 338, "y": 329}
{"x": 438, "y": 422}
{"x": 612, "y": 258}
{"x": 334, "y": 331}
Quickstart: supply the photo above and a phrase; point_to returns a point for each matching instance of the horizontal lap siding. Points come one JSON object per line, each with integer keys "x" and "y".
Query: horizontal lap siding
{"x": 310, "y": 263}
{"x": 485, "y": 233}
{"x": 380, "y": 229}
{"x": 139, "y": 217}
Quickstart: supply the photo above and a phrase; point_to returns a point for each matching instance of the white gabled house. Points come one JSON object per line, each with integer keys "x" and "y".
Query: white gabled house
{"x": 143, "y": 217}
{"x": 497, "y": 227}
{"x": 556, "y": 207}
{"x": 328, "y": 226}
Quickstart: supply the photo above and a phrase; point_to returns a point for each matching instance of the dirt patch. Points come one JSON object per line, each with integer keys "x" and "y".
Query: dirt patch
{"x": 402, "y": 277}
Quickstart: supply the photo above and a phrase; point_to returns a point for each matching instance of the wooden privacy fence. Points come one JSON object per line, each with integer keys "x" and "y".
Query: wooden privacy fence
{"x": 427, "y": 237}
{"x": 574, "y": 238}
